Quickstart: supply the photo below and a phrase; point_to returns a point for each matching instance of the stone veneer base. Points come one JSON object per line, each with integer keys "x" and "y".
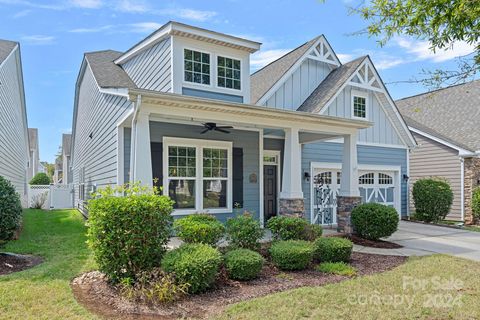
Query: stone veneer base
{"x": 345, "y": 205}
{"x": 292, "y": 207}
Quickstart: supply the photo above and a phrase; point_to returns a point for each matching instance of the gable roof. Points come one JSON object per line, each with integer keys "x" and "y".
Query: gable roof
{"x": 6, "y": 48}
{"x": 452, "y": 114}
{"x": 106, "y": 72}
{"x": 330, "y": 86}
{"x": 264, "y": 79}
{"x": 66, "y": 143}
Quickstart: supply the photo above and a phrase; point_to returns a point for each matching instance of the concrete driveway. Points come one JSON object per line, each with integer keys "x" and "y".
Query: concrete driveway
{"x": 421, "y": 239}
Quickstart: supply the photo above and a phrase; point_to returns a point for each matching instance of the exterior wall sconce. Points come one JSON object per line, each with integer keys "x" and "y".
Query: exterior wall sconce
{"x": 405, "y": 178}
{"x": 306, "y": 176}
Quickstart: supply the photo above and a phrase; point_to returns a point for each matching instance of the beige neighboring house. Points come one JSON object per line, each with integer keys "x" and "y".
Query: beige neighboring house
{"x": 446, "y": 125}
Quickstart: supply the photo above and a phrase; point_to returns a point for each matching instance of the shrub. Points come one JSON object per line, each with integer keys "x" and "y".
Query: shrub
{"x": 10, "y": 210}
{"x": 293, "y": 228}
{"x": 199, "y": 228}
{"x": 128, "y": 234}
{"x": 291, "y": 254}
{"x": 333, "y": 249}
{"x": 40, "y": 179}
{"x": 476, "y": 204}
{"x": 154, "y": 286}
{"x": 340, "y": 268}
{"x": 244, "y": 232}
{"x": 39, "y": 200}
{"x": 196, "y": 264}
{"x": 312, "y": 232}
{"x": 432, "y": 198}
{"x": 374, "y": 220}
{"x": 243, "y": 264}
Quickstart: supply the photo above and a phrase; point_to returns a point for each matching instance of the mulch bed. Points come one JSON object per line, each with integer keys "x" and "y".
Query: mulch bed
{"x": 93, "y": 291}
{"x": 374, "y": 244}
{"x": 10, "y": 262}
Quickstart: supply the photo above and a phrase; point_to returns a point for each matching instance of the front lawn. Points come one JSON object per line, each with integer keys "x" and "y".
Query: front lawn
{"x": 43, "y": 292}
{"x": 436, "y": 287}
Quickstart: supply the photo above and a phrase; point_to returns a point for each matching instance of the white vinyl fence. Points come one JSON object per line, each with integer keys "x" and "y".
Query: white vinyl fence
{"x": 50, "y": 197}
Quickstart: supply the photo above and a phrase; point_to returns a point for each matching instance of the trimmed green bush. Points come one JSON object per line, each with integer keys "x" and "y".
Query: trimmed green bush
{"x": 128, "y": 234}
{"x": 476, "y": 204}
{"x": 293, "y": 228}
{"x": 10, "y": 210}
{"x": 40, "y": 179}
{"x": 243, "y": 264}
{"x": 374, "y": 220}
{"x": 199, "y": 228}
{"x": 340, "y": 268}
{"x": 432, "y": 198}
{"x": 312, "y": 232}
{"x": 244, "y": 232}
{"x": 196, "y": 264}
{"x": 292, "y": 254}
{"x": 333, "y": 249}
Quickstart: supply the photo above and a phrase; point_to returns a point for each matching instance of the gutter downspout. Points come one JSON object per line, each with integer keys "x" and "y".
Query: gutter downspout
{"x": 133, "y": 147}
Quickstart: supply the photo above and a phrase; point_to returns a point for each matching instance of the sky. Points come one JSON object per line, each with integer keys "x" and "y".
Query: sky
{"x": 54, "y": 35}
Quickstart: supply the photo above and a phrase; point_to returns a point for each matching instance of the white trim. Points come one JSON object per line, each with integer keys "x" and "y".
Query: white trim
{"x": 193, "y": 84}
{"x": 260, "y": 179}
{"x": 199, "y": 144}
{"x": 359, "y": 94}
{"x": 278, "y": 164}
{"x": 120, "y": 156}
{"x": 121, "y": 92}
{"x": 370, "y": 144}
{"x": 462, "y": 190}
{"x": 461, "y": 151}
{"x": 242, "y": 84}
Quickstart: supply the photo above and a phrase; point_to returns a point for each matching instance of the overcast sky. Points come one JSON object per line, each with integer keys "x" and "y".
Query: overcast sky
{"x": 55, "y": 34}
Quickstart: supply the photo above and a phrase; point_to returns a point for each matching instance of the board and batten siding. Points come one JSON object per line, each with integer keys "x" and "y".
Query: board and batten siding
{"x": 382, "y": 131}
{"x": 296, "y": 88}
{"x": 430, "y": 159}
{"x": 247, "y": 140}
{"x": 14, "y": 151}
{"x": 95, "y": 136}
{"x": 151, "y": 69}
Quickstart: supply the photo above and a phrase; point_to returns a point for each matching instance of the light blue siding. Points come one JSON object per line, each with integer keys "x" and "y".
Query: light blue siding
{"x": 151, "y": 69}
{"x": 332, "y": 152}
{"x": 211, "y": 95}
{"x": 247, "y": 140}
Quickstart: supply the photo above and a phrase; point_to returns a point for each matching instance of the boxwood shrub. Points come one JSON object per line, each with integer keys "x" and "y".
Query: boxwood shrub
{"x": 244, "y": 232}
{"x": 128, "y": 234}
{"x": 333, "y": 249}
{"x": 293, "y": 228}
{"x": 195, "y": 264}
{"x": 10, "y": 210}
{"x": 243, "y": 264}
{"x": 292, "y": 254}
{"x": 374, "y": 220}
{"x": 432, "y": 198}
{"x": 199, "y": 228}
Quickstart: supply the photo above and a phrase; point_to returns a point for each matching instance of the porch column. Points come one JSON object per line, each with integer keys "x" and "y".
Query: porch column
{"x": 349, "y": 196}
{"x": 142, "y": 157}
{"x": 291, "y": 196}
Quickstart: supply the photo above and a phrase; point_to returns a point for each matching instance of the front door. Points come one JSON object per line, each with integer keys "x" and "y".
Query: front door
{"x": 270, "y": 191}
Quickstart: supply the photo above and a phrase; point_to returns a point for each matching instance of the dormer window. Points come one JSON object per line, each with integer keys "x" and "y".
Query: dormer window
{"x": 197, "y": 66}
{"x": 228, "y": 73}
{"x": 359, "y": 105}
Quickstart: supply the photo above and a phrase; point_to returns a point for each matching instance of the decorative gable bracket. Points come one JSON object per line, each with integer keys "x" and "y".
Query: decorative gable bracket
{"x": 323, "y": 52}
{"x": 366, "y": 78}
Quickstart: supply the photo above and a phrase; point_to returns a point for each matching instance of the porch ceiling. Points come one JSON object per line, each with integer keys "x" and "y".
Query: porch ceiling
{"x": 179, "y": 107}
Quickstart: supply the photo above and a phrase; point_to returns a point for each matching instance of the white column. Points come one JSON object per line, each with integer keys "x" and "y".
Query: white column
{"x": 349, "y": 179}
{"x": 142, "y": 156}
{"x": 292, "y": 166}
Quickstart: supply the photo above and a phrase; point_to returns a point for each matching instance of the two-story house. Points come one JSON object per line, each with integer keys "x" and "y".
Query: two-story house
{"x": 180, "y": 109}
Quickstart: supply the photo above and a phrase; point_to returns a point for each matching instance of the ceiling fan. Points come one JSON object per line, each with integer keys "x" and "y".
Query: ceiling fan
{"x": 212, "y": 126}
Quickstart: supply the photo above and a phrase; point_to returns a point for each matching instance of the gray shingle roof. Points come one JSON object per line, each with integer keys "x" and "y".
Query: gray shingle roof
{"x": 452, "y": 114}
{"x": 6, "y": 47}
{"x": 265, "y": 78}
{"x": 66, "y": 143}
{"x": 33, "y": 138}
{"x": 330, "y": 86}
{"x": 106, "y": 72}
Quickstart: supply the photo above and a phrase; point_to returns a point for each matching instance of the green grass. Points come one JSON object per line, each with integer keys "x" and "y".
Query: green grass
{"x": 340, "y": 268}
{"x": 345, "y": 300}
{"x": 43, "y": 292}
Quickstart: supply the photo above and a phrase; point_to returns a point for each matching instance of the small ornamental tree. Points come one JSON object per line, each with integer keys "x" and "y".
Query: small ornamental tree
{"x": 10, "y": 210}
{"x": 432, "y": 198}
{"x": 40, "y": 179}
{"x": 476, "y": 204}
{"x": 128, "y": 234}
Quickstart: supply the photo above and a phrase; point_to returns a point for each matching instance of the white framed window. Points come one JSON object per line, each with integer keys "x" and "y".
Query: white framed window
{"x": 359, "y": 105}
{"x": 196, "y": 66}
{"x": 228, "y": 73}
{"x": 198, "y": 175}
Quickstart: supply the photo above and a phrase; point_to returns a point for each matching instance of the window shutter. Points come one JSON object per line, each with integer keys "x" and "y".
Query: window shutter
{"x": 157, "y": 163}
{"x": 237, "y": 177}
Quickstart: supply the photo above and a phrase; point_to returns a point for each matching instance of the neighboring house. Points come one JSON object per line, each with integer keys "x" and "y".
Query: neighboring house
{"x": 14, "y": 144}
{"x": 35, "y": 164}
{"x": 181, "y": 107}
{"x": 66, "y": 152}
{"x": 42, "y": 168}
{"x": 446, "y": 125}
{"x": 58, "y": 173}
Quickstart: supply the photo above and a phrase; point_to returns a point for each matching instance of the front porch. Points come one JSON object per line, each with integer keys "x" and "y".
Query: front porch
{"x": 256, "y": 165}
